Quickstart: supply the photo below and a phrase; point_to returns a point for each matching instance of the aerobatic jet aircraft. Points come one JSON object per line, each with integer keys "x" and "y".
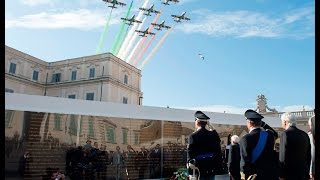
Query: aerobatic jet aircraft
{"x": 166, "y": 2}
{"x": 201, "y": 56}
{"x": 130, "y": 21}
{"x": 178, "y": 18}
{"x": 149, "y": 10}
{"x": 114, "y": 3}
{"x": 161, "y": 25}
{"x": 145, "y": 32}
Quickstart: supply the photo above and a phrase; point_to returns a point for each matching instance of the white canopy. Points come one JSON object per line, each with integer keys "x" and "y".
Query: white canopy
{"x": 24, "y": 102}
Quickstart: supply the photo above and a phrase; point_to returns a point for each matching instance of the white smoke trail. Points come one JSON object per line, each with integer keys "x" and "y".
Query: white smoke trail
{"x": 140, "y": 53}
{"x": 143, "y": 50}
{"x": 133, "y": 50}
{"x": 125, "y": 44}
{"x": 132, "y": 40}
{"x": 156, "y": 48}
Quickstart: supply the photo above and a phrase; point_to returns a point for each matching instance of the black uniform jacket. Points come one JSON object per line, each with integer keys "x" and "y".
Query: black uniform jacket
{"x": 295, "y": 154}
{"x": 203, "y": 142}
{"x": 263, "y": 166}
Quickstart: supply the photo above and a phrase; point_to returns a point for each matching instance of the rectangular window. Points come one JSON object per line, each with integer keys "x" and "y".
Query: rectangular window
{"x": 91, "y": 74}
{"x": 12, "y": 68}
{"x": 72, "y": 96}
{"x": 125, "y": 136}
{"x": 8, "y": 118}
{"x": 136, "y": 138}
{"x": 73, "y": 75}
{"x": 125, "y": 100}
{"x": 125, "y": 80}
{"x": 35, "y": 75}
{"x": 56, "y": 77}
{"x": 9, "y": 90}
{"x": 90, "y": 96}
{"x": 57, "y": 121}
{"x": 110, "y": 136}
{"x": 91, "y": 127}
{"x": 73, "y": 124}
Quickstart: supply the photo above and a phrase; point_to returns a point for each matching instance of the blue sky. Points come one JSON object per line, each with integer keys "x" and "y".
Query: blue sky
{"x": 250, "y": 47}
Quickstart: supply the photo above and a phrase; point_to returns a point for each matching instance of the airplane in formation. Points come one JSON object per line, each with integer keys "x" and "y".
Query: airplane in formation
{"x": 166, "y": 2}
{"x": 145, "y": 32}
{"x": 114, "y": 3}
{"x": 149, "y": 10}
{"x": 178, "y": 18}
{"x": 161, "y": 25}
{"x": 201, "y": 56}
{"x": 132, "y": 20}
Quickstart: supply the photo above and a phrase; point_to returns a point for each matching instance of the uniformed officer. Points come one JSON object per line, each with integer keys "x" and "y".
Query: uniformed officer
{"x": 257, "y": 158}
{"x": 204, "y": 148}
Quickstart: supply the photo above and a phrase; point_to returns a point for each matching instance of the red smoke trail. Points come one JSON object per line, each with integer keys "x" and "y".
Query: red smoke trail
{"x": 142, "y": 41}
{"x": 144, "y": 50}
{"x": 156, "y": 48}
{"x": 138, "y": 48}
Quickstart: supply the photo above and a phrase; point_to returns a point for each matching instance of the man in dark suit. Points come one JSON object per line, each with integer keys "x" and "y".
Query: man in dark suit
{"x": 155, "y": 162}
{"x": 142, "y": 161}
{"x": 257, "y": 159}
{"x": 295, "y": 150}
{"x": 234, "y": 158}
{"x": 204, "y": 148}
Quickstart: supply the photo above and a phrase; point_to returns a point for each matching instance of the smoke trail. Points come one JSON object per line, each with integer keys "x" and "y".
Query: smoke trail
{"x": 149, "y": 42}
{"x": 135, "y": 49}
{"x": 156, "y": 48}
{"x": 125, "y": 44}
{"x": 102, "y": 37}
{"x": 120, "y": 31}
{"x": 121, "y": 41}
{"x": 141, "y": 42}
{"x": 132, "y": 40}
{"x": 144, "y": 50}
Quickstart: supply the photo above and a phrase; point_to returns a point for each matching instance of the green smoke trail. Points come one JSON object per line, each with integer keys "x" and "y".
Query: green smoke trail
{"x": 121, "y": 41}
{"x": 120, "y": 31}
{"x": 105, "y": 30}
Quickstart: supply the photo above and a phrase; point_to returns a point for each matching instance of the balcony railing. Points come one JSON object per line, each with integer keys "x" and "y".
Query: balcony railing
{"x": 301, "y": 114}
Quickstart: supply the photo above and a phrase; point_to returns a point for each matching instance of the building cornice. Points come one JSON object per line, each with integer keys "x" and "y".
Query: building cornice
{"x": 78, "y": 61}
{"x": 24, "y": 80}
{"x": 25, "y": 57}
{"x": 100, "y": 79}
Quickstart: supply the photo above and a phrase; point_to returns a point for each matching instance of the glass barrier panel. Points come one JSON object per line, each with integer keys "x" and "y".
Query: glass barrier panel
{"x": 39, "y": 145}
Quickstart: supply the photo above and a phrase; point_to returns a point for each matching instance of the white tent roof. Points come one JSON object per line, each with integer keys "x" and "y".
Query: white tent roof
{"x": 24, "y": 102}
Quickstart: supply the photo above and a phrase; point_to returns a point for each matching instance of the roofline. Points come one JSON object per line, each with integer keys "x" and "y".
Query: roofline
{"x": 6, "y": 46}
{"x": 84, "y": 57}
